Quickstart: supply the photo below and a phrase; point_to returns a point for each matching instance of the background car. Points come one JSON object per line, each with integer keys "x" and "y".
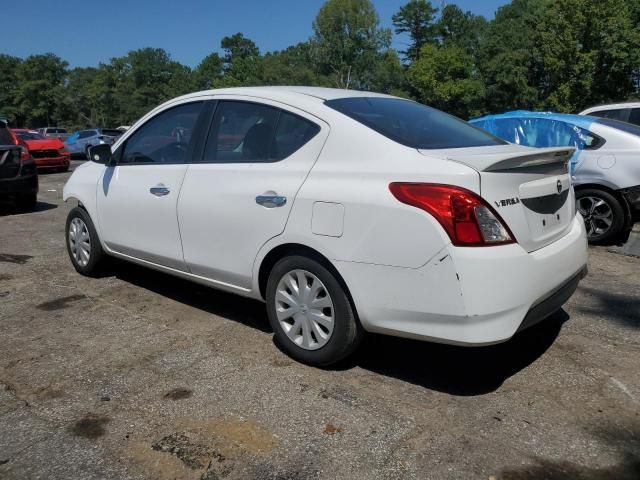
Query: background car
{"x": 18, "y": 175}
{"x": 79, "y": 142}
{"x": 345, "y": 211}
{"x": 625, "y": 112}
{"x": 48, "y": 153}
{"x": 605, "y": 168}
{"x": 54, "y": 132}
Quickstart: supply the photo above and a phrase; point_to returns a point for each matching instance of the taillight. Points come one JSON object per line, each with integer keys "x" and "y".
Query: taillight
{"x": 24, "y": 153}
{"x": 468, "y": 219}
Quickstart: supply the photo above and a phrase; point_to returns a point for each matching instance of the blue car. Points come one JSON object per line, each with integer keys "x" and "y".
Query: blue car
{"x": 78, "y": 143}
{"x": 605, "y": 170}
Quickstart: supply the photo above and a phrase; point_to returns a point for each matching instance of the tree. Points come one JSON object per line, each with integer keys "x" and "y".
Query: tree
{"x": 462, "y": 29}
{"x": 8, "y": 87}
{"x": 39, "y": 93}
{"x": 507, "y": 59}
{"x": 237, "y": 46}
{"x": 416, "y": 18}
{"x": 443, "y": 77}
{"x": 208, "y": 72}
{"x": 588, "y": 51}
{"x": 347, "y": 41}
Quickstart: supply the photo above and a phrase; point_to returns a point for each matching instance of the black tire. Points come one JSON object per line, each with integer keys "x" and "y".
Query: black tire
{"x": 595, "y": 232}
{"x": 95, "y": 263}
{"x": 27, "y": 201}
{"x": 347, "y": 333}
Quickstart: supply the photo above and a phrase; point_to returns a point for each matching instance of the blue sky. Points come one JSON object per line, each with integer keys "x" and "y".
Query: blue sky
{"x": 88, "y": 32}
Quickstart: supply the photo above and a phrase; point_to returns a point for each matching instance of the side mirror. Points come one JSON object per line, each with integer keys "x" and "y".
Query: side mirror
{"x": 101, "y": 154}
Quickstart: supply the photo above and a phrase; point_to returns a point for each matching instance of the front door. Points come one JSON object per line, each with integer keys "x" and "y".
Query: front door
{"x": 239, "y": 193}
{"x": 137, "y": 199}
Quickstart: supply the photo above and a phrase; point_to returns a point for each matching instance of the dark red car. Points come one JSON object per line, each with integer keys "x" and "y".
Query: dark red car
{"x": 48, "y": 153}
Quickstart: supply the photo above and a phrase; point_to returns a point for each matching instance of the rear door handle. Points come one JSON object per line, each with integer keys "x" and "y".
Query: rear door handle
{"x": 271, "y": 201}
{"x": 160, "y": 191}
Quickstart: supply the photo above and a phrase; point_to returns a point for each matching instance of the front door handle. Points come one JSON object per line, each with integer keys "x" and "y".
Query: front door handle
{"x": 160, "y": 191}
{"x": 271, "y": 201}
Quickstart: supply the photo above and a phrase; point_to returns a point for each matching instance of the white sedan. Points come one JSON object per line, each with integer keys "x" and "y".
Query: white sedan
{"x": 344, "y": 211}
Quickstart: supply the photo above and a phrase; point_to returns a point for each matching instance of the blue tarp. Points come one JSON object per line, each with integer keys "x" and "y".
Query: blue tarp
{"x": 540, "y": 129}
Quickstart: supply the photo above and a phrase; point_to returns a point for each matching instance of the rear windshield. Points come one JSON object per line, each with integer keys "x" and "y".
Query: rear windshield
{"x": 413, "y": 124}
{"x": 111, "y": 133}
{"x": 624, "y": 126}
{"x": 29, "y": 135}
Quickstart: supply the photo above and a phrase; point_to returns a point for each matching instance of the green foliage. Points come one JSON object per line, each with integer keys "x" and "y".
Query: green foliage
{"x": 536, "y": 54}
{"x": 348, "y": 41}
{"x": 40, "y": 88}
{"x": 417, "y": 19}
{"x": 9, "y": 87}
{"x": 444, "y": 78}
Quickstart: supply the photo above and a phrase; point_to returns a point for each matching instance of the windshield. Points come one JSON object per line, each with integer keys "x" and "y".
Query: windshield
{"x": 413, "y": 124}
{"x": 29, "y": 135}
{"x": 624, "y": 126}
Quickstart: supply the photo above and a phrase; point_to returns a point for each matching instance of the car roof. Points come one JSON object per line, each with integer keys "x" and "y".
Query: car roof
{"x": 320, "y": 93}
{"x": 582, "y": 121}
{"x": 611, "y": 106}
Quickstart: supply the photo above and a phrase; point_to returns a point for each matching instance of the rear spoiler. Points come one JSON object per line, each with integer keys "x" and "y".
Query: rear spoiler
{"x": 495, "y": 162}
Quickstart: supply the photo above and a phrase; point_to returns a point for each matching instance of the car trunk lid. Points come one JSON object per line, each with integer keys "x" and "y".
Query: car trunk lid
{"x": 529, "y": 188}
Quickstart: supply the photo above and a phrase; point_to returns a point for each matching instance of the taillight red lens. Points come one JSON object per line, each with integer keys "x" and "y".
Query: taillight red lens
{"x": 468, "y": 219}
{"x": 24, "y": 153}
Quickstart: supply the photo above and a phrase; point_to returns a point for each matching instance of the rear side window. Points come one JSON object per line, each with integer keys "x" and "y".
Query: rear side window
{"x": 245, "y": 132}
{"x": 635, "y": 116}
{"x": 413, "y": 124}
{"x": 110, "y": 133}
{"x": 621, "y": 114}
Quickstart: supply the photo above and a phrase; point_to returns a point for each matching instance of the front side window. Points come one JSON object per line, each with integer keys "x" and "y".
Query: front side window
{"x": 245, "y": 132}
{"x": 163, "y": 139}
{"x": 634, "y": 117}
{"x": 624, "y": 126}
{"x": 413, "y": 124}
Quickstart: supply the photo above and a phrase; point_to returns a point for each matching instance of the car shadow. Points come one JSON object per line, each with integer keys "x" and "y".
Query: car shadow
{"x": 463, "y": 371}
{"x": 619, "y": 307}
{"x": 249, "y": 312}
{"x": 10, "y": 208}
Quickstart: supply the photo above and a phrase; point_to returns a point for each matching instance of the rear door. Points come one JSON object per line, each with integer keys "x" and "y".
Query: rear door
{"x": 137, "y": 199}
{"x": 239, "y": 192}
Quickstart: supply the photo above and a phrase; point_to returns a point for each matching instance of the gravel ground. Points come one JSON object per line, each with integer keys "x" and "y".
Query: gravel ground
{"x": 140, "y": 375}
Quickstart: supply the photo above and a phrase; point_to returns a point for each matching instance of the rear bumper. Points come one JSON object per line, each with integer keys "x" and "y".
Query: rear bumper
{"x": 19, "y": 185}
{"x": 469, "y": 296}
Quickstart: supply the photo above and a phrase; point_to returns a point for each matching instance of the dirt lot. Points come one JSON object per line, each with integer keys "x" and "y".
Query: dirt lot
{"x": 140, "y": 375}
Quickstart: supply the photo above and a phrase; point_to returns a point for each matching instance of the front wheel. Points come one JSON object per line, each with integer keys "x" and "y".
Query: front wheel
{"x": 83, "y": 244}
{"x": 310, "y": 312}
{"x": 603, "y": 215}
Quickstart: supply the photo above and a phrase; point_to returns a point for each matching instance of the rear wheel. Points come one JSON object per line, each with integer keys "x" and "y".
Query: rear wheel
{"x": 310, "y": 312}
{"x": 604, "y": 216}
{"x": 83, "y": 244}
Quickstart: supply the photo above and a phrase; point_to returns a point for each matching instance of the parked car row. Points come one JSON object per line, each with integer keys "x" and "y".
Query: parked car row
{"x": 605, "y": 168}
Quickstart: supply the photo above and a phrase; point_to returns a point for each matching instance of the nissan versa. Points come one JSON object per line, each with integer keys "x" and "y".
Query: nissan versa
{"x": 344, "y": 211}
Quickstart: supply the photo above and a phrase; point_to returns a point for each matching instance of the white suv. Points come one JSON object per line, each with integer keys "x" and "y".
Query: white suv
{"x": 344, "y": 211}
{"x": 625, "y": 112}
